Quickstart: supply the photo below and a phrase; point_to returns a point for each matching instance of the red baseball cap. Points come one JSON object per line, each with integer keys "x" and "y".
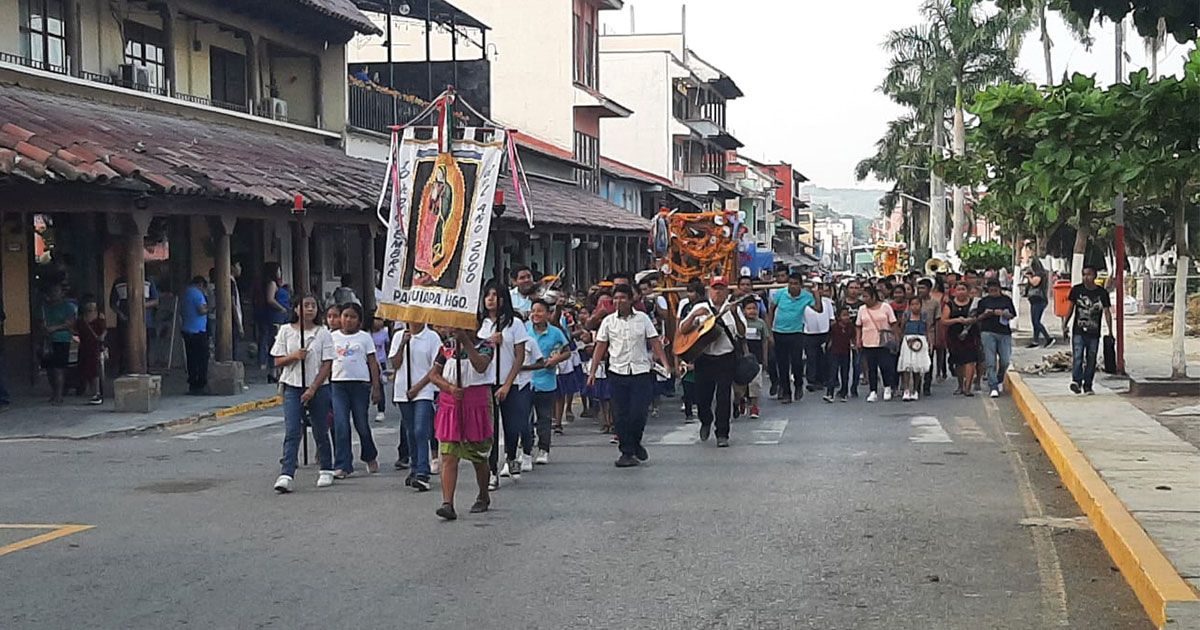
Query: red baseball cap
{"x": 718, "y": 281}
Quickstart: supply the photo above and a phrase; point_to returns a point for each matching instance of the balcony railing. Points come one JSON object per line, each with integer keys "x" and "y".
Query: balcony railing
{"x": 263, "y": 110}
{"x": 376, "y": 109}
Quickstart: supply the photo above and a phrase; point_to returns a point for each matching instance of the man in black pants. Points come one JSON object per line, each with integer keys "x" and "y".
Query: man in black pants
{"x": 715, "y": 368}
{"x": 194, "y": 315}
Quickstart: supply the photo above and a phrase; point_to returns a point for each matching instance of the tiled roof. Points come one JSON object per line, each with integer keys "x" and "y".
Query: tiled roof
{"x": 52, "y": 139}
{"x": 565, "y": 205}
{"x": 344, "y": 11}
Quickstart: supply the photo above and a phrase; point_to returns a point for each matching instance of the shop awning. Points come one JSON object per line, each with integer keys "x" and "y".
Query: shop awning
{"x": 796, "y": 260}
{"x": 52, "y": 139}
{"x": 561, "y": 205}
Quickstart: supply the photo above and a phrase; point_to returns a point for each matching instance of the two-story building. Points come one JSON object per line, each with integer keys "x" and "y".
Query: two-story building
{"x": 679, "y": 129}
{"x": 543, "y": 60}
{"x": 170, "y": 139}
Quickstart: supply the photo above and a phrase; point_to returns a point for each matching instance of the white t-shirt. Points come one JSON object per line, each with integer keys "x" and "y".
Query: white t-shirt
{"x": 816, "y": 323}
{"x": 513, "y": 336}
{"x": 470, "y": 378}
{"x": 422, "y": 349}
{"x": 317, "y": 341}
{"x": 352, "y": 354}
{"x": 533, "y": 354}
{"x": 627, "y": 337}
{"x": 721, "y": 343}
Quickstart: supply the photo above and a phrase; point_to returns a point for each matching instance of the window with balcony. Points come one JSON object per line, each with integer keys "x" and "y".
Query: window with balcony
{"x": 587, "y": 151}
{"x": 144, "y": 48}
{"x": 228, "y": 77}
{"x": 586, "y": 50}
{"x": 43, "y": 34}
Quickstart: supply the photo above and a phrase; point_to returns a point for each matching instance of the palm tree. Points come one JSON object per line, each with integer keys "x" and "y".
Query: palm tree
{"x": 1077, "y": 26}
{"x": 961, "y": 48}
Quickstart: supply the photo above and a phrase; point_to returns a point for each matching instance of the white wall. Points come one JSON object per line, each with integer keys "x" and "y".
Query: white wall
{"x": 10, "y": 30}
{"x": 641, "y": 82}
{"x": 532, "y": 83}
{"x": 670, "y": 42}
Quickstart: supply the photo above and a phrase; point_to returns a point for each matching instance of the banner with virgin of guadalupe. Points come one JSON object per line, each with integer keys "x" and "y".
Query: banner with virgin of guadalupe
{"x": 440, "y": 214}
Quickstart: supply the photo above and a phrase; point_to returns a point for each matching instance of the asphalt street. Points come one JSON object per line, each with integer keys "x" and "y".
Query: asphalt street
{"x": 894, "y": 516}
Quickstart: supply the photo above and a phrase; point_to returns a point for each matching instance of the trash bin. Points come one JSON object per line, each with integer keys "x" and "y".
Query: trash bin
{"x": 1062, "y": 291}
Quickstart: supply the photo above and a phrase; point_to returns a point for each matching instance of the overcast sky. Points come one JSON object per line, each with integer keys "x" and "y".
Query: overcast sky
{"x": 809, "y": 70}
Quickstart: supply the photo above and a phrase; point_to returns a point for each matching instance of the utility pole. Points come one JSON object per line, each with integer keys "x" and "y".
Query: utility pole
{"x": 937, "y": 195}
{"x": 1119, "y": 219}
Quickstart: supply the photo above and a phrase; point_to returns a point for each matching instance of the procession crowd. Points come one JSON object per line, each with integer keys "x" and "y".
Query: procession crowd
{"x": 619, "y": 349}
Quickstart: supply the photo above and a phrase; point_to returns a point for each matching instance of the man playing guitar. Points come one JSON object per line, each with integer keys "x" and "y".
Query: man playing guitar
{"x": 716, "y": 366}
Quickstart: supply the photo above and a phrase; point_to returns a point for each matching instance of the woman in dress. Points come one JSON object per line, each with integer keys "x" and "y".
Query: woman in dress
{"x": 355, "y": 376}
{"x": 305, "y": 365}
{"x": 464, "y": 373}
{"x": 938, "y": 295}
{"x": 92, "y": 330}
{"x": 914, "y": 350}
{"x": 962, "y": 338}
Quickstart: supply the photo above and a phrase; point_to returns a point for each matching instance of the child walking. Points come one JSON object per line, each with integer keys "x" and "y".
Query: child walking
{"x": 757, "y": 342}
{"x": 915, "y": 358}
{"x": 92, "y": 331}
{"x": 356, "y": 385}
{"x": 841, "y": 341}
{"x": 464, "y": 372}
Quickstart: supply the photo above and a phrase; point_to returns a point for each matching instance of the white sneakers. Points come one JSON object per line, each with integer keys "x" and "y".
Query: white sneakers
{"x": 283, "y": 484}
{"x": 325, "y": 479}
{"x": 380, "y": 416}
{"x": 872, "y": 397}
{"x": 543, "y": 457}
{"x": 887, "y": 394}
{"x": 504, "y": 471}
{"x": 435, "y": 465}
{"x": 995, "y": 394}
{"x": 526, "y": 463}
{"x": 493, "y": 482}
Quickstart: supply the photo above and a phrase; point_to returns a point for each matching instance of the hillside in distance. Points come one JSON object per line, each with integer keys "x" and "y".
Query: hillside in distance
{"x": 847, "y": 201}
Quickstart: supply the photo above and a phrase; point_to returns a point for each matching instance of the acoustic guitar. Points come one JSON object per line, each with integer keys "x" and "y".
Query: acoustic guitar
{"x": 689, "y": 346}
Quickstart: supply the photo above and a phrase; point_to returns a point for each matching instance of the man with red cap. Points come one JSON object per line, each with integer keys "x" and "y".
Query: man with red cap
{"x": 715, "y": 368}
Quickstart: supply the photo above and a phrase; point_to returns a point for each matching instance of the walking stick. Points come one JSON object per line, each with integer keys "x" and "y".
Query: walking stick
{"x": 305, "y": 420}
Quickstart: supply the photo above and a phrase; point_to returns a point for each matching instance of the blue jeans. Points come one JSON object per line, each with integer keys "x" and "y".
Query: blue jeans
{"x": 855, "y": 371}
{"x": 879, "y": 362}
{"x": 351, "y": 398}
{"x": 997, "y": 351}
{"x": 839, "y": 368}
{"x": 1083, "y": 359}
{"x": 631, "y": 397}
{"x": 416, "y": 425}
{"x": 514, "y": 412}
{"x": 814, "y": 352}
{"x": 293, "y": 416}
{"x": 1037, "y": 306}
{"x": 266, "y": 339}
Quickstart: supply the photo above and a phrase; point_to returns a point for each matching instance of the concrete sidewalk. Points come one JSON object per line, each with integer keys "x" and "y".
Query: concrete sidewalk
{"x": 34, "y": 418}
{"x": 1138, "y": 482}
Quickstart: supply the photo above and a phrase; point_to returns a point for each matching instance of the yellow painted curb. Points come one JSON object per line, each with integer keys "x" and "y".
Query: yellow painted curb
{"x": 1152, "y": 577}
{"x": 253, "y": 405}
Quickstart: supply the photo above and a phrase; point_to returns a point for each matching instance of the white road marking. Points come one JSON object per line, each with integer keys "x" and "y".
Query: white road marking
{"x": 927, "y": 430}
{"x": 681, "y": 435}
{"x": 967, "y": 428}
{"x": 233, "y": 427}
{"x": 1054, "y": 589}
{"x": 769, "y": 431}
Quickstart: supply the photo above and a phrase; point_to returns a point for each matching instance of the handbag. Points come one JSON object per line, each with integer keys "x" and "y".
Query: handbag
{"x": 887, "y": 337}
{"x": 745, "y": 364}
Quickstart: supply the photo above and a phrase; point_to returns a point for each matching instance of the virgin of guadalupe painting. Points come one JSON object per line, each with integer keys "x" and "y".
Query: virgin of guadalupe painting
{"x": 441, "y": 216}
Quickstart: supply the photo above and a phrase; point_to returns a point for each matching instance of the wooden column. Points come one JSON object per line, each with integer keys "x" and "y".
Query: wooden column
{"x": 223, "y": 290}
{"x": 612, "y": 265}
{"x": 135, "y": 279}
{"x": 368, "y": 270}
{"x": 253, "y": 68}
{"x": 569, "y": 265}
{"x": 498, "y": 240}
{"x": 547, "y": 242}
{"x": 167, "y": 12}
{"x": 74, "y": 41}
{"x": 301, "y": 231}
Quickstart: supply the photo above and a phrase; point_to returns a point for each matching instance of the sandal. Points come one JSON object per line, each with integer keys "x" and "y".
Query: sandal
{"x": 480, "y": 505}
{"x": 447, "y": 512}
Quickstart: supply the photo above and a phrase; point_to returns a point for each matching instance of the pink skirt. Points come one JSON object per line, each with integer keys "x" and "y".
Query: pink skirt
{"x": 472, "y": 424}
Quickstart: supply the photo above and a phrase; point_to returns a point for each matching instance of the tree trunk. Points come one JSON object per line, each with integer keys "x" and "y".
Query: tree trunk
{"x": 1046, "y": 46}
{"x": 960, "y": 142}
{"x": 1081, "y": 242}
{"x": 1182, "y": 265}
{"x": 937, "y": 193}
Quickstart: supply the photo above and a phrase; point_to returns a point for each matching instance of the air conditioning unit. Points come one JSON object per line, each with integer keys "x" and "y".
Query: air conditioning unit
{"x": 278, "y": 108}
{"x": 135, "y": 76}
